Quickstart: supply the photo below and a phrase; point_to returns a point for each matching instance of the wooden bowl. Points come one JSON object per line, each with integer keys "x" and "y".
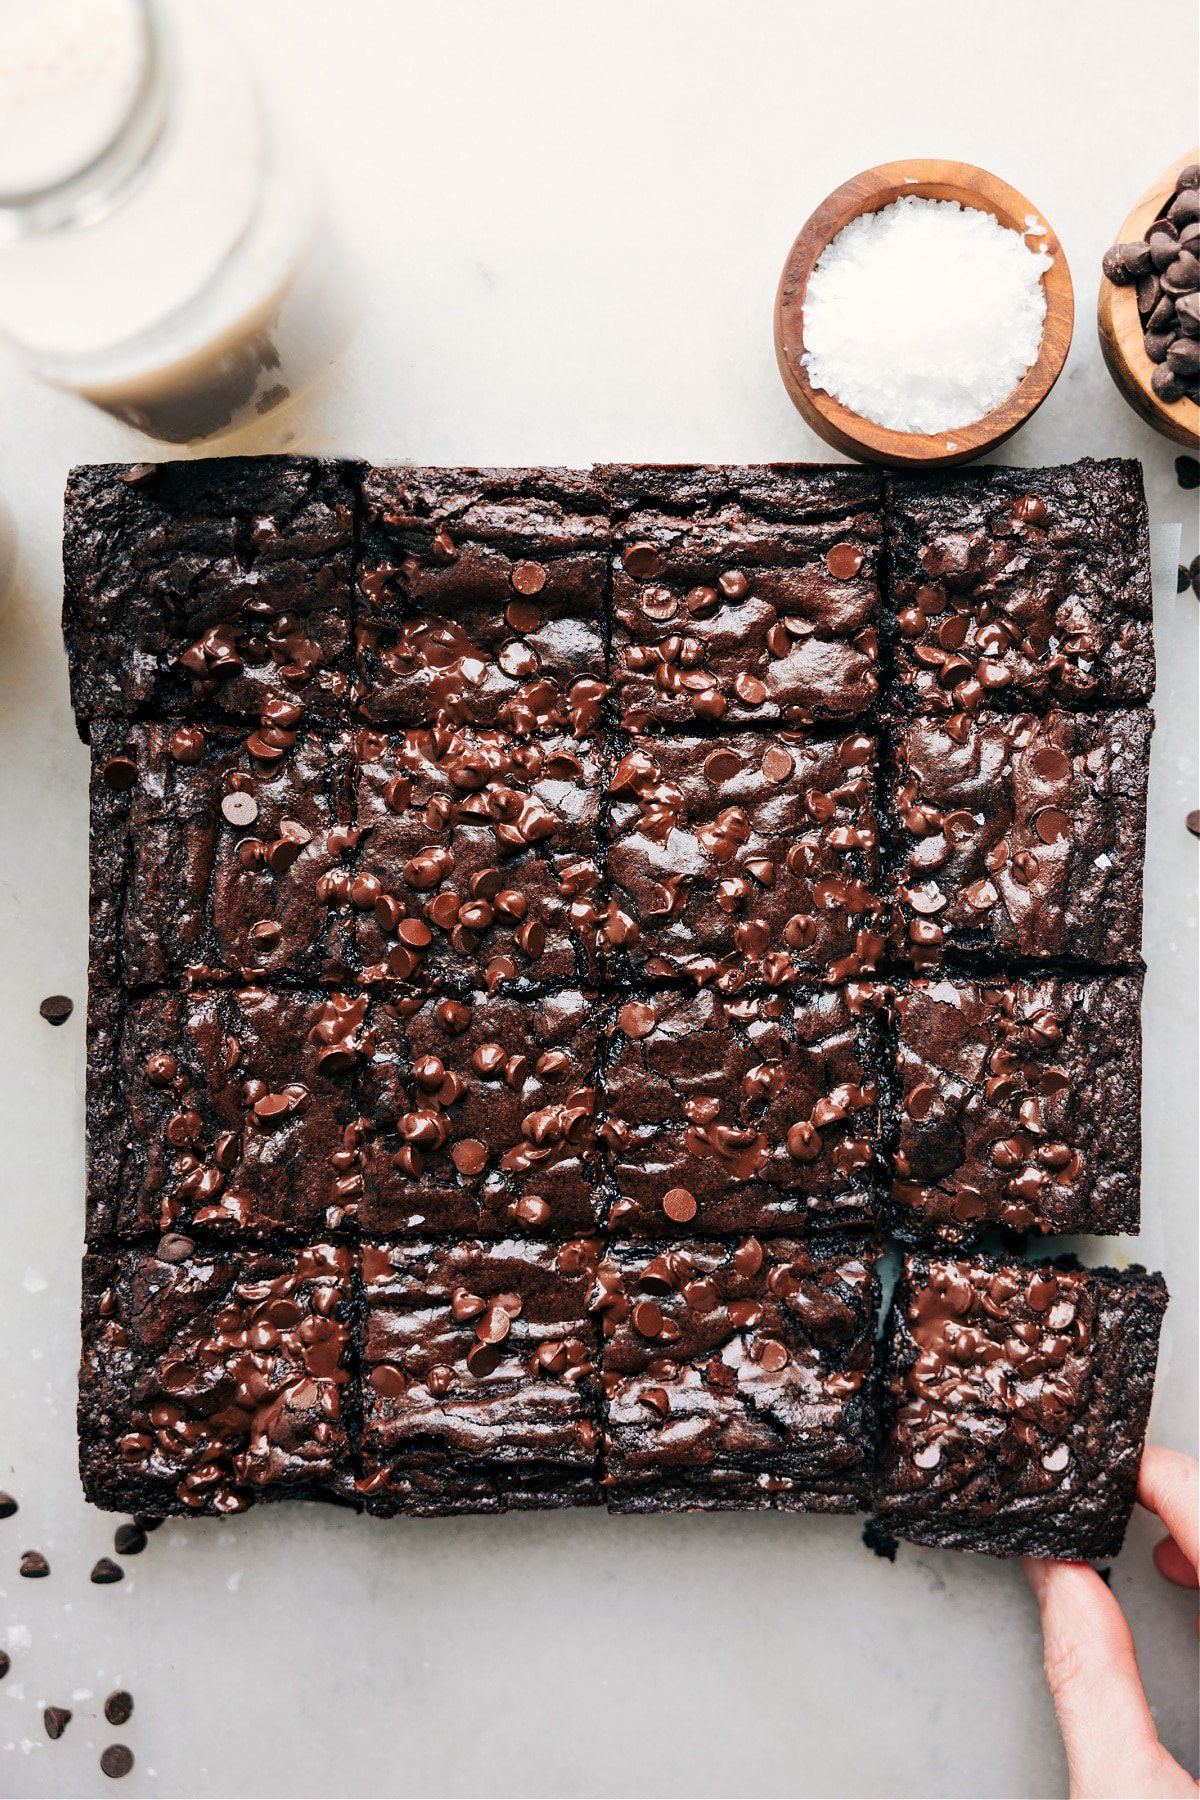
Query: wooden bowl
{"x": 869, "y": 192}
{"x": 1120, "y": 327}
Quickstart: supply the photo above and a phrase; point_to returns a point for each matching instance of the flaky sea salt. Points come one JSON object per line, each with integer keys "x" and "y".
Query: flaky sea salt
{"x": 925, "y": 315}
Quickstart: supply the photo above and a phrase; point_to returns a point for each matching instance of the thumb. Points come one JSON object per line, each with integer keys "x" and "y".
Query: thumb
{"x": 1109, "y": 1735}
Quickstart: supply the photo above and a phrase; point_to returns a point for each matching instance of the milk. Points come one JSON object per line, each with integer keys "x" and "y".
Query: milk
{"x": 174, "y": 292}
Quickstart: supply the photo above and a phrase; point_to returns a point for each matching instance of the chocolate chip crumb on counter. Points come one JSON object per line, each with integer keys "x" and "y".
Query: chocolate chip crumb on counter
{"x": 1016, "y": 1401}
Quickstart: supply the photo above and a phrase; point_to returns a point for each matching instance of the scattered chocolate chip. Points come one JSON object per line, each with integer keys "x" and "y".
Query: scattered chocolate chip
{"x": 119, "y": 773}
{"x": 147, "y": 1521}
{"x": 1193, "y": 823}
{"x": 129, "y": 1540}
{"x": 34, "y": 1565}
{"x": 1187, "y": 471}
{"x": 240, "y": 808}
{"x": 8, "y": 1506}
{"x": 106, "y": 1571}
{"x": 5, "y": 1663}
{"x": 1194, "y": 575}
{"x": 116, "y": 1760}
{"x": 56, "y": 1009}
{"x": 118, "y": 1708}
{"x": 1183, "y": 580}
{"x": 56, "y": 1719}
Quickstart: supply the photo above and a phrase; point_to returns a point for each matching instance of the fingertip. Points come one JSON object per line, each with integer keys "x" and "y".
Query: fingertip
{"x": 1171, "y": 1563}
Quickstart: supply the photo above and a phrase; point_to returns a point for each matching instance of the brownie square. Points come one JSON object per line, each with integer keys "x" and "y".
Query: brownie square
{"x": 1022, "y": 587}
{"x": 741, "y": 1114}
{"x": 1016, "y": 1406}
{"x": 211, "y": 1380}
{"x": 743, "y": 859}
{"x": 214, "y": 852}
{"x": 1019, "y": 1105}
{"x": 744, "y": 595}
{"x": 480, "y": 597}
{"x": 231, "y": 1110}
{"x": 210, "y": 587}
{"x": 738, "y": 1375}
{"x": 478, "y": 1377}
{"x": 1020, "y": 836}
{"x": 481, "y": 1115}
{"x": 478, "y": 855}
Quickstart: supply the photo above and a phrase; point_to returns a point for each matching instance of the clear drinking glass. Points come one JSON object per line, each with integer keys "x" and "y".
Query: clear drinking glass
{"x": 160, "y": 238}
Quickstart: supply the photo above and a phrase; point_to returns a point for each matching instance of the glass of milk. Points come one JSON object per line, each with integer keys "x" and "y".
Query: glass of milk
{"x": 159, "y": 241}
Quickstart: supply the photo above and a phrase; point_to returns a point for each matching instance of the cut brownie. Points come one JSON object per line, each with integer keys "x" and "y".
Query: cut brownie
{"x": 478, "y": 1377}
{"x": 209, "y": 587}
{"x": 744, "y": 595}
{"x": 738, "y": 1375}
{"x": 743, "y": 859}
{"x": 1019, "y": 1105}
{"x": 741, "y": 1114}
{"x": 211, "y": 1380}
{"x": 213, "y": 854}
{"x": 1020, "y": 836}
{"x": 480, "y": 594}
{"x": 232, "y": 1110}
{"x": 1017, "y": 1405}
{"x": 1022, "y": 587}
{"x": 482, "y": 1113}
{"x": 478, "y": 855}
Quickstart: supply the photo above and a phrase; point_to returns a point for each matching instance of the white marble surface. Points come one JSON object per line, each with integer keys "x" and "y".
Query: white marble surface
{"x": 564, "y": 227}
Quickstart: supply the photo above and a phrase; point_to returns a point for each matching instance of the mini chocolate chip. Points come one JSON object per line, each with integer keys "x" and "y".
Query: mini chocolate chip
{"x": 1187, "y": 471}
{"x": 116, "y": 1761}
{"x": 34, "y": 1565}
{"x": 129, "y": 1540}
{"x": 240, "y": 808}
{"x": 56, "y": 1009}
{"x": 1193, "y": 823}
{"x": 8, "y": 1506}
{"x": 56, "y": 1719}
{"x": 118, "y": 1708}
{"x": 106, "y": 1571}
{"x": 120, "y": 772}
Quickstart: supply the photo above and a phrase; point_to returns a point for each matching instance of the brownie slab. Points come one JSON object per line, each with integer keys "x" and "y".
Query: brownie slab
{"x": 480, "y": 596}
{"x": 478, "y": 1377}
{"x": 210, "y": 587}
{"x": 214, "y": 851}
{"x": 211, "y": 1380}
{"x": 742, "y": 859}
{"x": 1022, "y": 587}
{"x": 741, "y": 1114}
{"x": 232, "y": 1110}
{"x": 481, "y": 1115}
{"x": 738, "y": 1374}
{"x": 478, "y": 855}
{"x": 1017, "y": 1401}
{"x": 743, "y": 595}
{"x": 1019, "y": 1105}
{"x": 1018, "y": 836}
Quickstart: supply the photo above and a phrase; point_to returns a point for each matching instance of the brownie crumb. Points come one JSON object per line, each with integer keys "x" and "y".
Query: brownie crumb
{"x": 1187, "y": 471}
{"x": 56, "y": 1719}
{"x": 8, "y": 1506}
{"x": 34, "y": 1565}
{"x": 129, "y": 1540}
{"x": 1105, "y": 1574}
{"x": 880, "y": 1541}
{"x": 118, "y": 1708}
{"x": 106, "y": 1571}
{"x": 116, "y": 1761}
{"x": 56, "y": 1009}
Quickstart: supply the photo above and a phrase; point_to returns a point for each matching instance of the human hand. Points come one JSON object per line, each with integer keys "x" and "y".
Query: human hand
{"x": 1108, "y": 1732}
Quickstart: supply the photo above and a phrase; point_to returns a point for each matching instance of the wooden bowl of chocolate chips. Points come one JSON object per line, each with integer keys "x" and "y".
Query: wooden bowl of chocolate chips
{"x": 1148, "y": 314}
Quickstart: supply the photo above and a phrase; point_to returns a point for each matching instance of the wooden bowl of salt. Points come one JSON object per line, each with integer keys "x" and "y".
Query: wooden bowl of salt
{"x": 944, "y": 442}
